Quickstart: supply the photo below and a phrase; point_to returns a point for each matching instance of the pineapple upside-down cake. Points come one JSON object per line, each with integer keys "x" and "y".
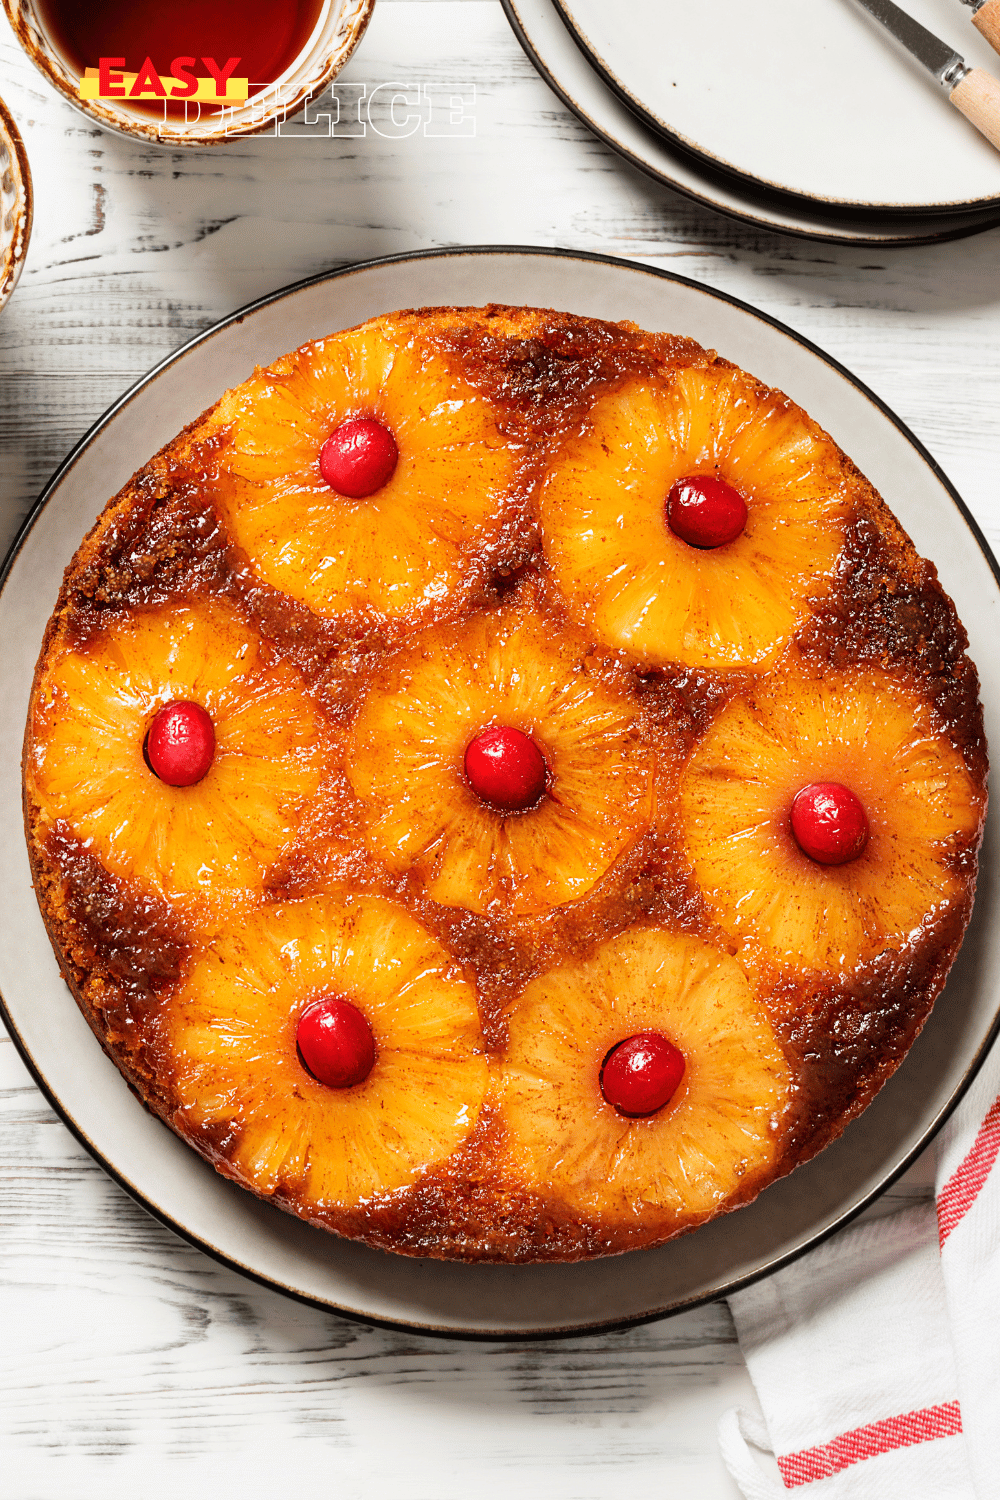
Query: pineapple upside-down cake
{"x": 503, "y": 786}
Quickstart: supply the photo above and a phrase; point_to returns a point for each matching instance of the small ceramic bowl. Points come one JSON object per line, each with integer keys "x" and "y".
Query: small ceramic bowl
{"x": 341, "y": 27}
{"x": 15, "y": 204}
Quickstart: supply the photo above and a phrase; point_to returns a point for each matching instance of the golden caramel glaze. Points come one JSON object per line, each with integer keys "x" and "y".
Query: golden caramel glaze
{"x": 516, "y": 666}
{"x": 226, "y": 1039}
{"x": 719, "y": 1132}
{"x": 456, "y": 493}
{"x": 861, "y": 729}
{"x": 351, "y": 650}
{"x": 93, "y": 706}
{"x": 639, "y": 586}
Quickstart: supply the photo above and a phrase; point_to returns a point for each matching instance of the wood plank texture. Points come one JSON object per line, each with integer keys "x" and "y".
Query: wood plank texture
{"x": 129, "y": 1360}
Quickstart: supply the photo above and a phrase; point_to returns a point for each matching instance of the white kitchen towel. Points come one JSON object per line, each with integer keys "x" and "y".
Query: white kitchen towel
{"x": 968, "y": 1215}
{"x": 876, "y": 1357}
{"x": 850, "y": 1354}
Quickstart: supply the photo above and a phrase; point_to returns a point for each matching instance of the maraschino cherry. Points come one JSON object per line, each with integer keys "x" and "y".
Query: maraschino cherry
{"x": 506, "y": 767}
{"x": 335, "y": 1042}
{"x": 642, "y": 1074}
{"x": 829, "y": 823}
{"x": 705, "y": 511}
{"x": 180, "y": 745}
{"x": 358, "y": 457}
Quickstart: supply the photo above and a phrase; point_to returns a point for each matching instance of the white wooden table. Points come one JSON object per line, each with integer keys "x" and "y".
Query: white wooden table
{"x": 131, "y": 1362}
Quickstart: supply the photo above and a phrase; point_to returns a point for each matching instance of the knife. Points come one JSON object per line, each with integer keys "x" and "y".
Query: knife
{"x": 972, "y": 90}
{"x": 986, "y": 18}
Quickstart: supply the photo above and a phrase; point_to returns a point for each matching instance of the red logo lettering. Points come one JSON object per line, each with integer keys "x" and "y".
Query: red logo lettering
{"x": 147, "y": 80}
{"x": 180, "y": 68}
{"x": 108, "y": 82}
{"x": 220, "y": 75}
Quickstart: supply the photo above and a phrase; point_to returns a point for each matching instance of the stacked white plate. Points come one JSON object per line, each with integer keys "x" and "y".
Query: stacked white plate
{"x": 808, "y": 119}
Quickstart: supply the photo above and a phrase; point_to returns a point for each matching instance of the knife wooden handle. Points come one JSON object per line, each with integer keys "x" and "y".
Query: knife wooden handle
{"x": 987, "y": 19}
{"x": 978, "y": 97}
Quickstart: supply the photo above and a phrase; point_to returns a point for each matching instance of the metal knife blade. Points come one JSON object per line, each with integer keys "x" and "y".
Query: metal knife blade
{"x": 947, "y": 66}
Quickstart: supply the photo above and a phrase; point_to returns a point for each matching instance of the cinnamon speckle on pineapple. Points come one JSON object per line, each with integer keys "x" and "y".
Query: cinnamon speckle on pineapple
{"x": 514, "y": 572}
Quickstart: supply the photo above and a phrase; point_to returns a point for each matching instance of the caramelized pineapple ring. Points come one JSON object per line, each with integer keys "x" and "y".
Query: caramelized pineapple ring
{"x": 641, "y": 587}
{"x": 90, "y": 716}
{"x": 717, "y": 1135}
{"x": 865, "y": 732}
{"x": 405, "y": 762}
{"x": 409, "y": 545}
{"x": 230, "y": 1040}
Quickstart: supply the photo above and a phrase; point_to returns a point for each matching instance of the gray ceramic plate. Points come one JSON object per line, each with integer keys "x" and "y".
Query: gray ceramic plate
{"x": 165, "y": 1175}
{"x": 811, "y": 99}
{"x": 568, "y": 72}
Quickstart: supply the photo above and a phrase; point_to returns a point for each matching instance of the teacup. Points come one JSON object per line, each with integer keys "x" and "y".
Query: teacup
{"x": 15, "y": 204}
{"x": 340, "y": 27}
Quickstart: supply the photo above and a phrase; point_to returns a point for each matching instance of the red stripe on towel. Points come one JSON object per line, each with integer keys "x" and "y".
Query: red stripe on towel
{"x": 868, "y": 1442}
{"x": 964, "y": 1186}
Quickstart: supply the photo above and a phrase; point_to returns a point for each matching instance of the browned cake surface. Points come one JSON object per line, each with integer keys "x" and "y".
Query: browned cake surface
{"x": 517, "y": 569}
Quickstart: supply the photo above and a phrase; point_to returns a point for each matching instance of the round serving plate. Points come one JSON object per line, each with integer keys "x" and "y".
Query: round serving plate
{"x": 548, "y": 44}
{"x": 170, "y": 1179}
{"x": 814, "y": 99}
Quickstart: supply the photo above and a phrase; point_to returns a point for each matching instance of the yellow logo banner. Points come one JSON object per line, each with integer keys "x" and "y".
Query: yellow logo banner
{"x": 122, "y": 86}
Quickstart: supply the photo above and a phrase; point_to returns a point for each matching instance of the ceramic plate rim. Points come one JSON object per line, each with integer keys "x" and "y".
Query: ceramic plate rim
{"x": 810, "y": 1241}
